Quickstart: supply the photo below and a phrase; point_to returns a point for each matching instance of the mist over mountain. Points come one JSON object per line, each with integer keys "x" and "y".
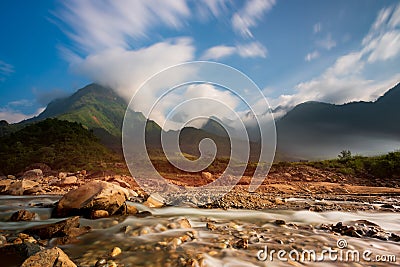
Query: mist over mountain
{"x": 321, "y": 130}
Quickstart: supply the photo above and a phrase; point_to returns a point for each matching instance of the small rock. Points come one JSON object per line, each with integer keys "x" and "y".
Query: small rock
{"x": 279, "y": 201}
{"x": 111, "y": 263}
{"x": 70, "y": 180}
{"x": 242, "y": 243}
{"x": 62, "y": 175}
{"x": 101, "y": 263}
{"x": 115, "y": 252}
{"x": 287, "y": 175}
{"x": 208, "y": 177}
{"x": 175, "y": 243}
{"x": 254, "y": 240}
{"x": 395, "y": 237}
{"x": 184, "y": 223}
{"x": 97, "y": 214}
{"x": 131, "y": 210}
{"x": 17, "y": 241}
{"x": 211, "y": 226}
{"x": 279, "y": 222}
{"x": 22, "y": 215}
{"x": 154, "y": 201}
{"x": 192, "y": 263}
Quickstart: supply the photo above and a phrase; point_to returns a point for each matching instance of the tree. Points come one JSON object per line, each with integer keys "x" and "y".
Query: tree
{"x": 344, "y": 155}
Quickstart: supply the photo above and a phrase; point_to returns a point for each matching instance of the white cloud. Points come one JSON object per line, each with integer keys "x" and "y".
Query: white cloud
{"x": 217, "y": 52}
{"x": 311, "y": 56}
{"x": 250, "y": 15}
{"x": 249, "y": 50}
{"x": 346, "y": 80}
{"x": 395, "y": 19}
{"x": 383, "y": 40}
{"x": 125, "y": 70}
{"x": 207, "y": 8}
{"x": 98, "y": 25}
{"x": 327, "y": 43}
{"x": 382, "y": 18}
{"x": 386, "y": 47}
{"x": 20, "y": 103}
{"x": 317, "y": 27}
{"x": 5, "y": 70}
{"x": 254, "y": 49}
{"x": 14, "y": 116}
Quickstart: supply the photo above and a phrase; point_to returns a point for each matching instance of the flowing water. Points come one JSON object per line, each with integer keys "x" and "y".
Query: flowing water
{"x": 158, "y": 240}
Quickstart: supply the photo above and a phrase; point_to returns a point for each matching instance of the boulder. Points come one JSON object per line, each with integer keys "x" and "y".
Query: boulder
{"x": 66, "y": 228}
{"x": 34, "y": 174}
{"x": 49, "y": 258}
{"x": 22, "y": 215}
{"x": 18, "y": 188}
{"x": 95, "y": 195}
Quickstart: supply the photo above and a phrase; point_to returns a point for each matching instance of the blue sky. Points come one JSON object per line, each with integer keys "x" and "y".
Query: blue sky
{"x": 295, "y": 51}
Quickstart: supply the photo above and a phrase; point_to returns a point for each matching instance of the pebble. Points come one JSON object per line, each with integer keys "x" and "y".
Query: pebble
{"x": 184, "y": 223}
{"x": 111, "y": 264}
{"x": 101, "y": 263}
{"x": 211, "y": 226}
{"x": 115, "y": 252}
{"x": 280, "y": 222}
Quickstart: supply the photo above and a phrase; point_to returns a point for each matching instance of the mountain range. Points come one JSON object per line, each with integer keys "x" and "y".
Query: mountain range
{"x": 321, "y": 130}
{"x": 309, "y": 130}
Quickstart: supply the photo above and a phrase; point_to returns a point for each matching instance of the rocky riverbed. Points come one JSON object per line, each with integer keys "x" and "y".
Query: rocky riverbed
{"x": 184, "y": 236}
{"x": 78, "y": 219}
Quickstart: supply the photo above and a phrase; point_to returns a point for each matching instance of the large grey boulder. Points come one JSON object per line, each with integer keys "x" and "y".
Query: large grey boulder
{"x": 95, "y": 195}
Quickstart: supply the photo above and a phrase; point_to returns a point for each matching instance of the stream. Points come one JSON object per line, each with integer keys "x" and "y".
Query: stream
{"x": 218, "y": 237}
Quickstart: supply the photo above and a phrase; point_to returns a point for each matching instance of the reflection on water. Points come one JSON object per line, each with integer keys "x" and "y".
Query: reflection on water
{"x": 215, "y": 236}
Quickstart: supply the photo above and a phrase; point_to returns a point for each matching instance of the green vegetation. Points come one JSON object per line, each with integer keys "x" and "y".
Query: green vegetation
{"x": 384, "y": 166}
{"x": 93, "y": 106}
{"x": 60, "y": 144}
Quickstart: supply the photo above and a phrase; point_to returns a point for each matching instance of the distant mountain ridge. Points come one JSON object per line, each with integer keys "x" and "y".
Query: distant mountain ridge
{"x": 331, "y": 128}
